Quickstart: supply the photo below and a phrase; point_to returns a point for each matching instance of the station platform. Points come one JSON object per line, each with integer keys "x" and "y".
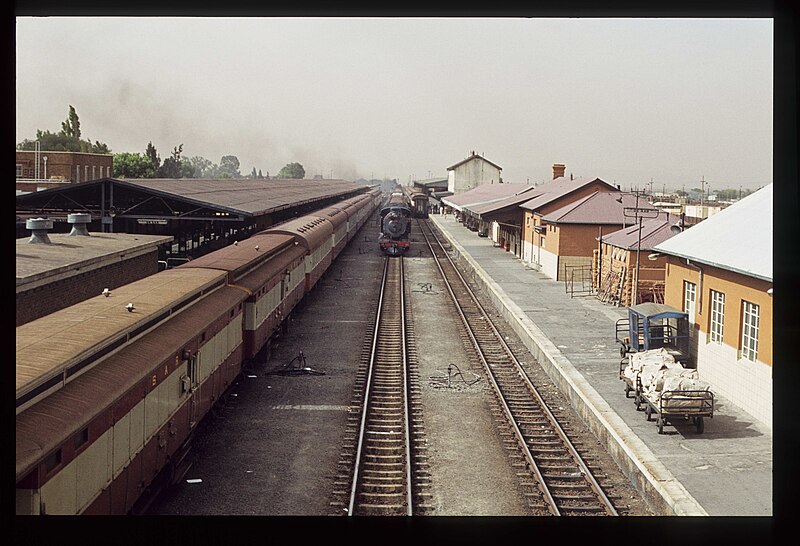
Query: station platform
{"x": 726, "y": 470}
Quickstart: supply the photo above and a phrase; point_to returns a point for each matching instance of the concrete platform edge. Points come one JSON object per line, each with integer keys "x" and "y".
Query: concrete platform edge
{"x": 663, "y": 493}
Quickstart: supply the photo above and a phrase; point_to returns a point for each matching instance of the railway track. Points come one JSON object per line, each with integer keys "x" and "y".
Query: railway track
{"x": 558, "y": 478}
{"x": 383, "y": 467}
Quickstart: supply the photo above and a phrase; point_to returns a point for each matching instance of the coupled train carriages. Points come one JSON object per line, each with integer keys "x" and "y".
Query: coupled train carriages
{"x": 395, "y": 221}
{"x": 109, "y": 394}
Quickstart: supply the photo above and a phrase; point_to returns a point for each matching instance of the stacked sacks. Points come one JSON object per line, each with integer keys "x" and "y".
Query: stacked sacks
{"x": 647, "y": 364}
{"x": 656, "y": 367}
{"x": 685, "y": 392}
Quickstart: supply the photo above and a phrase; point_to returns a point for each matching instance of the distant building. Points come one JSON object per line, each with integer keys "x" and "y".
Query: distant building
{"x": 472, "y": 172}
{"x": 720, "y": 272}
{"x": 46, "y": 169}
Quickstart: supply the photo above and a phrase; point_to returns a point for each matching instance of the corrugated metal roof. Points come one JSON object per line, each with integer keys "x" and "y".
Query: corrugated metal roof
{"x": 599, "y": 208}
{"x": 654, "y": 231}
{"x": 550, "y": 191}
{"x": 485, "y": 193}
{"x": 248, "y": 197}
{"x": 738, "y": 238}
{"x": 470, "y": 158}
{"x": 492, "y": 206}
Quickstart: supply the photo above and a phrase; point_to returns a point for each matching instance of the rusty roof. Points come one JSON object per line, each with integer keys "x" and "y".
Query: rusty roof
{"x": 249, "y": 197}
{"x": 557, "y": 188}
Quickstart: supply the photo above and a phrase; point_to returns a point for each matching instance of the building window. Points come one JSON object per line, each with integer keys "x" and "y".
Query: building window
{"x": 94, "y": 170}
{"x": 20, "y": 171}
{"x": 717, "y": 316}
{"x": 86, "y": 172}
{"x": 689, "y": 299}
{"x": 77, "y": 173}
{"x": 750, "y": 313}
{"x": 108, "y": 172}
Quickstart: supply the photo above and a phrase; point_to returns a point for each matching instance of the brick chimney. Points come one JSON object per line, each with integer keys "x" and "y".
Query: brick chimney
{"x": 558, "y": 170}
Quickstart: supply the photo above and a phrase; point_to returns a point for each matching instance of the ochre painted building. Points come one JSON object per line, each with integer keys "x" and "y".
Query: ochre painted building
{"x": 720, "y": 272}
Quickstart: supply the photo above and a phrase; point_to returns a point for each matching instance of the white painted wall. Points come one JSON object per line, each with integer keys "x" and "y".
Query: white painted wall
{"x": 746, "y": 384}
{"x": 549, "y": 262}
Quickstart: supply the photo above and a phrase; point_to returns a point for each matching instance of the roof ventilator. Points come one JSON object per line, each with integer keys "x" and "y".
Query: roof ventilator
{"x": 80, "y": 222}
{"x": 39, "y": 228}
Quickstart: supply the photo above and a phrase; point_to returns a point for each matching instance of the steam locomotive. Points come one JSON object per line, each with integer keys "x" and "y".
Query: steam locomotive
{"x": 395, "y": 219}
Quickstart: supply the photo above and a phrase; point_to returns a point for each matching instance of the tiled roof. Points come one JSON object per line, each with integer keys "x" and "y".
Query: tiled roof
{"x": 654, "y": 231}
{"x": 738, "y": 238}
{"x": 550, "y": 191}
{"x": 600, "y": 208}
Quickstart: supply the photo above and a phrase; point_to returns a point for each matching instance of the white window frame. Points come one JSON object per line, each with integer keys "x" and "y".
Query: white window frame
{"x": 689, "y": 299}
{"x": 750, "y": 319}
{"x": 716, "y": 317}
{"x": 20, "y": 170}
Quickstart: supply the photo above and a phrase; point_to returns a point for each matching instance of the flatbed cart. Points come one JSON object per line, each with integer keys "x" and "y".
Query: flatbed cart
{"x": 651, "y": 326}
{"x": 674, "y": 404}
{"x": 631, "y": 385}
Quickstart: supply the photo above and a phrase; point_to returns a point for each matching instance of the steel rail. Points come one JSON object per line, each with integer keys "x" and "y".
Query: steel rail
{"x": 382, "y": 373}
{"x": 365, "y": 405}
{"x": 581, "y": 464}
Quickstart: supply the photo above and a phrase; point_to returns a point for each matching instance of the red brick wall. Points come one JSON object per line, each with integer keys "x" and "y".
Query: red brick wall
{"x": 63, "y": 164}
{"x": 49, "y": 298}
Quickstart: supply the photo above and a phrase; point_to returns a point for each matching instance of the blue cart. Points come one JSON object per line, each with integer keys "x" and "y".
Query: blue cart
{"x": 653, "y": 325}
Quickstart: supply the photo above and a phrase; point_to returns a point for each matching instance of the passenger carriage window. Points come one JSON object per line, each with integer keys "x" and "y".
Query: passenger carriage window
{"x": 81, "y": 438}
{"x": 52, "y": 461}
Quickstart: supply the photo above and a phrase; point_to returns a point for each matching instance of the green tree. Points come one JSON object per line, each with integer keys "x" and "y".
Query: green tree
{"x": 132, "y": 165}
{"x": 72, "y": 126}
{"x": 292, "y": 170}
{"x": 152, "y": 154}
{"x": 172, "y": 165}
{"x": 259, "y": 174}
{"x": 201, "y": 167}
{"x": 229, "y": 167}
{"x": 67, "y": 140}
{"x": 187, "y": 169}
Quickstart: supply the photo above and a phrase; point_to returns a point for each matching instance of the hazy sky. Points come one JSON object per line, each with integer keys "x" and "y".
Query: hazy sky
{"x": 626, "y": 100}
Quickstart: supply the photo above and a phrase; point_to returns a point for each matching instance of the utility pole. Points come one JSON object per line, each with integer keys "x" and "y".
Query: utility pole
{"x": 639, "y": 215}
{"x": 702, "y": 191}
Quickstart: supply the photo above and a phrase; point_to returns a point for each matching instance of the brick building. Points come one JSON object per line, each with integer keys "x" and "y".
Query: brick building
{"x": 615, "y": 270}
{"x": 540, "y": 243}
{"x": 720, "y": 272}
{"x": 33, "y": 169}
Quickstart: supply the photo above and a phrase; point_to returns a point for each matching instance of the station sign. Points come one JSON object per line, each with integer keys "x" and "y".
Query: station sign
{"x": 157, "y": 221}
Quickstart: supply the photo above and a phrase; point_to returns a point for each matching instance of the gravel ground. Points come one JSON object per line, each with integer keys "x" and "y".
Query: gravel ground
{"x": 273, "y": 446}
